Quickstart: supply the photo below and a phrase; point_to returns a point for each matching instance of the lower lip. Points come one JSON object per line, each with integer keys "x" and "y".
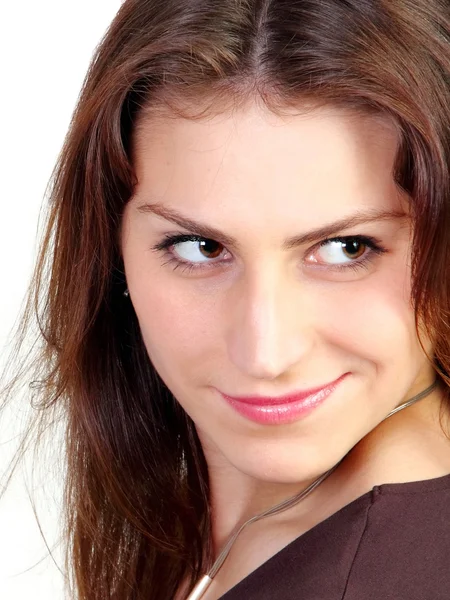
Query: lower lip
{"x": 283, "y": 413}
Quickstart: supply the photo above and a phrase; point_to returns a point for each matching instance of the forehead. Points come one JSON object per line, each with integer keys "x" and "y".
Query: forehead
{"x": 321, "y": 159}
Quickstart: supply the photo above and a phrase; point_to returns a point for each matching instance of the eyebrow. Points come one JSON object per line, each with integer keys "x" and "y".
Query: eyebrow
{"x": 325, "y": 231}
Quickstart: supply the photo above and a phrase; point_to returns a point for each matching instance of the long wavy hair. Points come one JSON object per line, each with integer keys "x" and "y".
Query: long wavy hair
{"x": 136, "y": 491}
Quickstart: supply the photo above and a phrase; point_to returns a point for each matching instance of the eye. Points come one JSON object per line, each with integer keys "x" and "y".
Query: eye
{"x": 338, "y": 251}
{"x": 198, "y": 250}
{"x": 346, "y": 252}
{"x": 190, "y": 252}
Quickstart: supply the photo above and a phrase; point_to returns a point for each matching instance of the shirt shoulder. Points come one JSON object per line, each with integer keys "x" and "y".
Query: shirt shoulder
{"x": 315, "y": 566}
{"x": 404, "y": 552}
{"x": 392, "y": 543}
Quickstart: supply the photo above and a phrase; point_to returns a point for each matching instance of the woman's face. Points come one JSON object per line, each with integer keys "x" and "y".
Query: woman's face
{"x": 249, "y": 299}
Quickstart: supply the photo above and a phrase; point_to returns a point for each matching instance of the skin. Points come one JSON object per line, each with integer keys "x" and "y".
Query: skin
{"x": 263, "y": 320}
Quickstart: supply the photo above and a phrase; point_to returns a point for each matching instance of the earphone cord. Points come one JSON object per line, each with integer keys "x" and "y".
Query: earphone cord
{"x": 206, "y": 580}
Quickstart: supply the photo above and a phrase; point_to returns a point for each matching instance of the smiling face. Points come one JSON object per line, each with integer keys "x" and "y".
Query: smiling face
{"x": 249, "y": 298}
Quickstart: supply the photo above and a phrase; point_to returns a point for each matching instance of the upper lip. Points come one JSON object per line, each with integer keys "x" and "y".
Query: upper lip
{"x": 291, "y": 397}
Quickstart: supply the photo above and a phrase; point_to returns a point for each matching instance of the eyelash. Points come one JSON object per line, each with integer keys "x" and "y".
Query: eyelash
{"x": 171, "y": 240}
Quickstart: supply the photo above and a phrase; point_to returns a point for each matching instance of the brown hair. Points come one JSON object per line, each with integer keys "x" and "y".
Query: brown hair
{"x": 138, "y": 520}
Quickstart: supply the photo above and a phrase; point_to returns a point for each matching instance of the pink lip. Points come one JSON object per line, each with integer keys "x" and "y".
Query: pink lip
{"x": 282, "y": 409}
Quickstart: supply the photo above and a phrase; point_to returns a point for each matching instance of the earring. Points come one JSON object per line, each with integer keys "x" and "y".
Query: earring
{"x": 126, "y": 293}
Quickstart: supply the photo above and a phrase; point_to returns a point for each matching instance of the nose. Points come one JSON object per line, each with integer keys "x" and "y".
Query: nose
{"x": 271, "y": 324}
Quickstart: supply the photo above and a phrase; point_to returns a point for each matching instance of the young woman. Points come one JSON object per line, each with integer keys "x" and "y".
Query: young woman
{"x": 247, "y": 305}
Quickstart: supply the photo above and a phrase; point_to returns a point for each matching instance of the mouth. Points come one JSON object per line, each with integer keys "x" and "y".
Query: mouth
{"x": 282, "y": 409}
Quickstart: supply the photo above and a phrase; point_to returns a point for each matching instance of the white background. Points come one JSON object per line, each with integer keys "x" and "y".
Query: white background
{"x": 45, "y": 49}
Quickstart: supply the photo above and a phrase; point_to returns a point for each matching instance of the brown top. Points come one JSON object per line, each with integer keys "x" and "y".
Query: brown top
{"x": 392, "y": 543}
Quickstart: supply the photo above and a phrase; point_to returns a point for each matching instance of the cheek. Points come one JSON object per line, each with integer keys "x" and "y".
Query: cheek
{"x": 373, "y": 318}
{"x": 178, "y": 325}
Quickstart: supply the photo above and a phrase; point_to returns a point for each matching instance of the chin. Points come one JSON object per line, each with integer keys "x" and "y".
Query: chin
{"x": 283, "y": 464}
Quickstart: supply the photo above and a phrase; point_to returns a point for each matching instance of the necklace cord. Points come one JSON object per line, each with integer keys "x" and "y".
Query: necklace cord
{"x": 269, "y": 512}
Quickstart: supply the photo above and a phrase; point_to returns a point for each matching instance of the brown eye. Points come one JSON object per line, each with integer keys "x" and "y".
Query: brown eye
{"x": 195, "y": 250}
{"x": 210, "y": 248}
{"x": 344, "y": 251}
{"x": 353, "y": 248}
{"x": 348, "y": 252}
